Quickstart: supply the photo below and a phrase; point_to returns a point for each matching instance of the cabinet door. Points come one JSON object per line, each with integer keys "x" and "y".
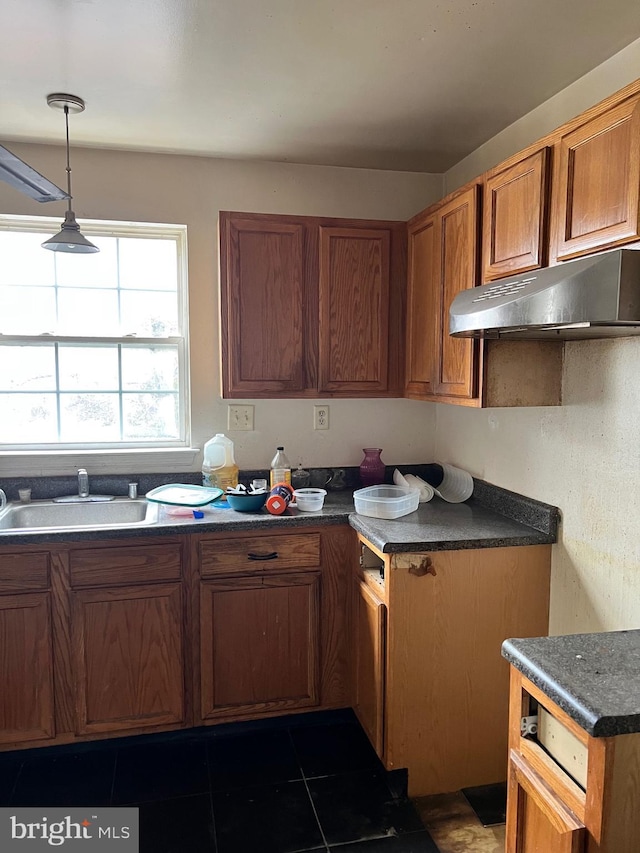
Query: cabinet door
{"x": 458, "y": 248}
{"x": 128, "y": 654}
{"x": 26, "y": 668}
{"x": 538, "y": 821}
{"x": 369, "y": 623}
{"x": 599, "y": 183}
{"x": 515, "y": 209}
{"x": 354, "y": 309}
{"x": 260, "y": 641}
{"x": 263, "y": 299}
{"x": 423, "y": 308}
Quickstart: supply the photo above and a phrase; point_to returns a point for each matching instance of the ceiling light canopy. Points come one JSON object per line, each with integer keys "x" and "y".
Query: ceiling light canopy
{"x": 69, "y": 238}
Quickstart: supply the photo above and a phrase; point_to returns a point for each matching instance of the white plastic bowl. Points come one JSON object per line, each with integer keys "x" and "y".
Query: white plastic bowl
{"x": 386, "y": 501}
{"x": 309, "y": 500}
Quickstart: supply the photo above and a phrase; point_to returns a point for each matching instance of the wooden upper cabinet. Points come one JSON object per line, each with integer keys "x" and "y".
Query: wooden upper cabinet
{"x": 443, "y": 260}
{"x": 423, "y": 305}
{"x": 311, "y": 306}
{"x": 354, "y": 309}
{"x": 263, "y": 297}
{"x": 514, "y": 233}
{"x": 458, "y": 249}
{"x": 598, "y": 183}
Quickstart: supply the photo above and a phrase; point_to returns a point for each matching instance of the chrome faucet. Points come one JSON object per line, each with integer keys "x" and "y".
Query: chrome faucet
{"x": 3, "y": 500}
{"x": 83, "y": 483}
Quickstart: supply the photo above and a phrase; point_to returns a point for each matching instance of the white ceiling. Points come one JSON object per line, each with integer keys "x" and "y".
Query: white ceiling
{"x": 386, "y": 84}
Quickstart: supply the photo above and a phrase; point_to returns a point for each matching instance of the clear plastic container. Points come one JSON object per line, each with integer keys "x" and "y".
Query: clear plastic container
{"x": 280, "y": 468}
{"x": 386, "y": 501}
{"x": 309, "y": 500}
{"x": 219, "y": 469}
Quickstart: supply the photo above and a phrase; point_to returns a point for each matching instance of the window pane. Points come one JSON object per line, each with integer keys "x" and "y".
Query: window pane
{"x": 27, "y": 310}
{"x": 150, "y": 416}
{"x": 151, "y": 315}
{"x": 93, "y": 312}
{"x": 28, "y": 418}
{"x": 15, "y": 249}
{"x": 149, "y": 369}
{"x": 88, "y": 368}
{"x": 24, "y": 368}
{"x": 148, "y": 264}
{"x": 89, "y": 417}
{"x": 95, "y": 270}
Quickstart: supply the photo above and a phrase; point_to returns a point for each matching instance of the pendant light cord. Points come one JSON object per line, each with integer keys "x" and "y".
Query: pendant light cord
{"x": 66, "y": 120}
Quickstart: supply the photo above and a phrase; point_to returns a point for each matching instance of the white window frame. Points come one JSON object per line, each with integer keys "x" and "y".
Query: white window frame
{"x": 146, "y": 456}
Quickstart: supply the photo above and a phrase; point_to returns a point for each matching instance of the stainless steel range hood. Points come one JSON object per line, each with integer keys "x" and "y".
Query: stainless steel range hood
{"x": 594, "y": 297}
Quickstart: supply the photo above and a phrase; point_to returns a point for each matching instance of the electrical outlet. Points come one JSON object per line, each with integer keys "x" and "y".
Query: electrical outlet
{"x": 240, "y": 417}
{"x": 321, "y": 417}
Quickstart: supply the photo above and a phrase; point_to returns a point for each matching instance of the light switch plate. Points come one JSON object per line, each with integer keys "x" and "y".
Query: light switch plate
{"x": 321, "y": 417}
{"x": 240, "y": 418}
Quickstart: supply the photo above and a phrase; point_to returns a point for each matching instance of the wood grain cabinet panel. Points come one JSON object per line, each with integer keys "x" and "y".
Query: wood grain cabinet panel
{"x": 354, "y": 309}
{"x": 24, "y": 572}
{"x": 263, "y": 298}
{"x": 260, "y": 644}
{"x": 544, "y": 823}
{"x": 443, "y": 260}
{"x": 458, "y": 239}
{"x": 26, "y": 669}
{"x": 125, "y": 564}
{"x": 369, "y": 637}
{"x": 514, "y": 221}
{"x": 598, "y": 183}
{"x": 311, "y": 306}
{"x": 270, "y": 553}
{"x": 128, "y": 657}
{"x": 424, "y": 295}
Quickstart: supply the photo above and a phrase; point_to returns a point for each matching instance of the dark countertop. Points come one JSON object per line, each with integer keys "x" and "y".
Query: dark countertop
{"x": 481, "y": 522}
{"x": 594, "y": 678}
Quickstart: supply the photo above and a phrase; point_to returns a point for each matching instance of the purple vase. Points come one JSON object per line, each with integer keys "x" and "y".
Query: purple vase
{"x": 372, "y": 468}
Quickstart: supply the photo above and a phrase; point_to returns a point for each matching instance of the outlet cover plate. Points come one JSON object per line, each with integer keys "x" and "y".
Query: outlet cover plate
{"x": 321, "y": 417}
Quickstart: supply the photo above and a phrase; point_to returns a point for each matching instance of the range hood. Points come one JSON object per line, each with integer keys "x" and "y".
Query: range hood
{"x": 594, "y": 297}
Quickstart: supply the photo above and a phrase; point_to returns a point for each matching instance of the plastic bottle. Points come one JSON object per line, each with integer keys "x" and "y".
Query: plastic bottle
{"x": 219, "y": 468}
{"x": 280, "y": 468}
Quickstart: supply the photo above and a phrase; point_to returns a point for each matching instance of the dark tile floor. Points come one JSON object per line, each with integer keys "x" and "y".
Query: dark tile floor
{"x": 304, "y": 782}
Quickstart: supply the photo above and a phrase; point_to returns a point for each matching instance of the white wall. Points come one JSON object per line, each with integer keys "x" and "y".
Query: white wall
{"x": 191, "y": 190}
{"x": 585, "y": 456}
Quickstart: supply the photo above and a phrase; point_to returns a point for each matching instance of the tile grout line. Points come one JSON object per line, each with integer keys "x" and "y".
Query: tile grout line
{"x": 304, "y": 779}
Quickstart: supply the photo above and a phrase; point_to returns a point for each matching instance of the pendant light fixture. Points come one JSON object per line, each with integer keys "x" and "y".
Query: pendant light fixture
{"x": 69, "y": 238}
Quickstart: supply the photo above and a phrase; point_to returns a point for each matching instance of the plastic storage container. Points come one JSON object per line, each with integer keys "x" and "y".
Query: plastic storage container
{"x": 309, "y": 500}
{"x": 219, "y": 469}
{"x": 280, "y": 468}
{"x": 386, "y": 501}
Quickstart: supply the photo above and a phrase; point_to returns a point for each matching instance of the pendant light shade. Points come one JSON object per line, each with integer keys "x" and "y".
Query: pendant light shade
{"x": 69, "y": 238}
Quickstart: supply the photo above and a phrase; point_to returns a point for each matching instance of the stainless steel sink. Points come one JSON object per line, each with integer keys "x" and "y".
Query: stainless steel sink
{"x": 47, "y": 515}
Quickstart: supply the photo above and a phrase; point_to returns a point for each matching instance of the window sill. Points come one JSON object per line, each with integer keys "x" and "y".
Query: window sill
{"x": 24, "y": 463}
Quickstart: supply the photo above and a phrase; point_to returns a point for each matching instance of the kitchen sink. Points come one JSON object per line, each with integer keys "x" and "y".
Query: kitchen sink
{"x": 47, "y": 515}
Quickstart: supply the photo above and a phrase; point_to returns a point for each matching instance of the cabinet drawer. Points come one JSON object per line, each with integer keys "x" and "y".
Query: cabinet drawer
{"x": 125, "y": 565}
{"x": 259, "y": 554}
{"x": 23, "y": 572}
{"x": 563, "y": 746}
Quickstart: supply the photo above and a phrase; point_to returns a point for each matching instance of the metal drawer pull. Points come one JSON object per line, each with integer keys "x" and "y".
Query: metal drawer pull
{"x": 272, "y": 556}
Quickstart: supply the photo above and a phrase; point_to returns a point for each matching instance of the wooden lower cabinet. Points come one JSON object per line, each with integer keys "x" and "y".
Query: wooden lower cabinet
{"x": 545, "y": 823}
{"x": 445, "y": 685}
{"x": 260, "y": 643}
{"x": 128, "y": 657}
{"x": 26, "y": 668}
{"x": 273, "y": 622}
{"x": 369, "y": 637}
{"x": 570, "y": 792}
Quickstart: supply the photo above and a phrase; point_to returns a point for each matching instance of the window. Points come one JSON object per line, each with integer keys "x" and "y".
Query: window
{"x": 93, "y": 348}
